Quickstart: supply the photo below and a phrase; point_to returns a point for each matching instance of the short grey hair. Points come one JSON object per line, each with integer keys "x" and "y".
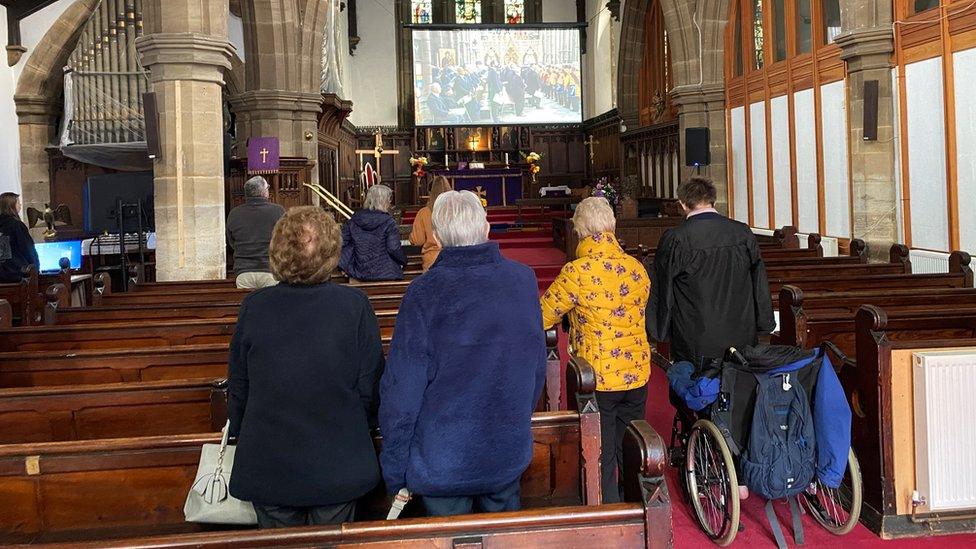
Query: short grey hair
{"x": 255, "y": 186}
{"x": 378, "y": 197}
{"x": 594, "y": 216}
{"x": 459, "y": 219}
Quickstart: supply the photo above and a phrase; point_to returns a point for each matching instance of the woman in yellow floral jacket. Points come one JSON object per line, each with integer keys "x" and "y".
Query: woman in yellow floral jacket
{"x": 605, "y": 293}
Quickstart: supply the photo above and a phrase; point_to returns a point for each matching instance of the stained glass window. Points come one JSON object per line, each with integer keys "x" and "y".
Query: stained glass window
{"x": 421, "y": 11}
{"x": 757, "y": 31}
{"x": 514, "y": 11}
{"x": 738, "y": 46}
{"x": 468, "y": 11}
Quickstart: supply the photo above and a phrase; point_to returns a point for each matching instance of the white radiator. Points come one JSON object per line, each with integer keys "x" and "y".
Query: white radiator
{"x": 945, "y": 420}
{"x": 829, "y": 244}
{"x": 928, "y": 262}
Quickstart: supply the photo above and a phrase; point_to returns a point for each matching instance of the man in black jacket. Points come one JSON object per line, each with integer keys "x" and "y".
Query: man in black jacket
{"x": 709, "y": 289}
{"x": 249, "y": 228}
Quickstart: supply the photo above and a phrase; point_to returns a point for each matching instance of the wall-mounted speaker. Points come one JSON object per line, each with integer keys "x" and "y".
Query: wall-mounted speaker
{"x": 152, "y": 124}
{"x": 697, "y": 151}
{"x": 870, "y": 110}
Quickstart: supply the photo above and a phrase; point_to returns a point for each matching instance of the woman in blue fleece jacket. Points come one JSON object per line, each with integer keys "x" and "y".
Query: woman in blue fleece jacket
{"x": 464, "y": 373}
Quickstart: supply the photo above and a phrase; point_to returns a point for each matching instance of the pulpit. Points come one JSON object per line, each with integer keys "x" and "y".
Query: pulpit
{"x": 501, "y": 186}
{"x": 285, "y": 187}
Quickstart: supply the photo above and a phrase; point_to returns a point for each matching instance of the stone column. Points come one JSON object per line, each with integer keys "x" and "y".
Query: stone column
{"x": 700, "y": 107}
{"x": 37, "y": 125}
{"x": 186, "y": 51}
{"x": 867, "y": 44}
{"x": 290, "y": 116}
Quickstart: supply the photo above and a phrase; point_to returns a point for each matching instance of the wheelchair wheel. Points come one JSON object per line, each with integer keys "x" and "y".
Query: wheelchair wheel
{"x": 838, "y": 509}
{"x": 713, "y": 487}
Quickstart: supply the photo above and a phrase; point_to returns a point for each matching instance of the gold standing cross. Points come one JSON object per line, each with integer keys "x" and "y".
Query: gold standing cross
{"x": 590, "y": 143}
{"x": 377, "y": 152}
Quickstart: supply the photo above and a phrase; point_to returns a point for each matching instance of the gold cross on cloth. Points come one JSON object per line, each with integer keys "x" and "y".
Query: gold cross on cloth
{"x": 377, "y": 151}
{"x": 264, "y": 154}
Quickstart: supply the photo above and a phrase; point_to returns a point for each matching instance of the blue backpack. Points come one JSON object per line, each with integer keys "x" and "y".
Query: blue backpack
{"x": 781, "y": 459}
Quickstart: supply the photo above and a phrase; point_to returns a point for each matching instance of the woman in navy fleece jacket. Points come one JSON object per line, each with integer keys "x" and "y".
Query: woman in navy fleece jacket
{"x": 464, "y": 373}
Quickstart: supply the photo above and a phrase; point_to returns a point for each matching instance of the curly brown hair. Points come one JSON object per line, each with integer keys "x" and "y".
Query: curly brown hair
{"x": 305, "y": 246}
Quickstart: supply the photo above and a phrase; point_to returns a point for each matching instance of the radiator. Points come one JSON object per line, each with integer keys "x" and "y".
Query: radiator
{"x": 831, "y": 247}
{"x": 945, "y": 420}
{"x": 928, "y": 262}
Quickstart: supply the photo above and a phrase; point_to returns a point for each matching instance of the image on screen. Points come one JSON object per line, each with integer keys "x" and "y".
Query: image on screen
{"x": 497, "y": 76}
{"x": 50, "y": 254}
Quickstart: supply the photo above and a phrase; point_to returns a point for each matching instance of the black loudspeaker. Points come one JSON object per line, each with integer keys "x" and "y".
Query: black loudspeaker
{"x": 152, "y": 124}
{"x": 870, "y": 110}
{"x": 697, "y": 151}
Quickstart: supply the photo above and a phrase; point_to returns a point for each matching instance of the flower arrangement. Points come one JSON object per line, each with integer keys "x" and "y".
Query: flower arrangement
{"x": 533, "y": 159}
{"x": 604, "y": 189}
{"x": 418, "y": 163}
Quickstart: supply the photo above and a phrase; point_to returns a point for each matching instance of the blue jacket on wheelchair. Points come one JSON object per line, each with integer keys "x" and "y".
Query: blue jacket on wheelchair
{"x": 735, "y": 394}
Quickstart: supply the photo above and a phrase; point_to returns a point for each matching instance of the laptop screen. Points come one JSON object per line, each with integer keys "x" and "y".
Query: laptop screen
{"x": 50, "y": 254}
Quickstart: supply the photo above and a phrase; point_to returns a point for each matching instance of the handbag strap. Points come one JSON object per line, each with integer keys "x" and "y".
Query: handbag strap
{"x": 225, "y": 436}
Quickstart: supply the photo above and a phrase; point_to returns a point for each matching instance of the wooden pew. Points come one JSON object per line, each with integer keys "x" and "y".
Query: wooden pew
{"x": 224, "y": 294}
{"x": 24, "y": 298}
{"x": 644, "y": 520}
{"x": 98, "y": 366}
{"x": 869, "y": 389}
{"x": 85, "y": 412}
{"x": 807, "y": 318}
{"x": 118, "y": 486}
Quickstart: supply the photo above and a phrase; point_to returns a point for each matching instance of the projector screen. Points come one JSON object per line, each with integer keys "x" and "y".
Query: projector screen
{"x": 505, "y": 76}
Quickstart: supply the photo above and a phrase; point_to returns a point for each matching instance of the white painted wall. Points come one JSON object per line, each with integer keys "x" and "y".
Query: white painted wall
{"x": 371, "y": 74}
{"x": 33, "y": 28}
{"x": 559, "y": 11}
{"x": 964, "y": 69}
{"x": 782, "y": 178}
{"x": 740, "y": 175}
{"x": 10, "y": 144}
{"x": 760, "y": 179}
{"x": 235, "y": 30}
{"x": 927, "y": 155}
{"x": 806, "y": 162}
{"x": 600, "y": 60}
{"x": 836, "y": 158}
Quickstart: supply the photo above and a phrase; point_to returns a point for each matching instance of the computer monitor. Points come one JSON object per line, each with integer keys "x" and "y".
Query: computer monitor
{"x": 50, "y": 254}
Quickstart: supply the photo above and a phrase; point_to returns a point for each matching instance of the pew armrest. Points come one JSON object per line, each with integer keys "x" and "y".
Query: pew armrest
{"x": 580, "y": 384}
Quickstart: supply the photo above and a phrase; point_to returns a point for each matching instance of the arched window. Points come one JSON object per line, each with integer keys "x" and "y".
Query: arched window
{"x": 787, "y": 116}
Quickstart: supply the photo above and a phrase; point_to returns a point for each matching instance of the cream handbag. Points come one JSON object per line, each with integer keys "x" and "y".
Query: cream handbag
{"x": 209, "y": 500}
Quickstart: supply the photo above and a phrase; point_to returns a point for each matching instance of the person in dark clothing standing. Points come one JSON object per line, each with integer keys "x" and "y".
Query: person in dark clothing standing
{"x": 371, "y": 240}
{"x": 305, "y": 363}
{"x": 249, "y": 229}
{"x": 709, "y": 289}
{"x": 17, "y": 249}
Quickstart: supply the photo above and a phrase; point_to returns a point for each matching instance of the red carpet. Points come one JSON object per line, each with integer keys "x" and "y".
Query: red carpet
{"x": 547, "y": 261}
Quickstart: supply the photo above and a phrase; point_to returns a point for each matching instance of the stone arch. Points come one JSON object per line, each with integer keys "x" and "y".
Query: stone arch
{"x": 683, "y": 36}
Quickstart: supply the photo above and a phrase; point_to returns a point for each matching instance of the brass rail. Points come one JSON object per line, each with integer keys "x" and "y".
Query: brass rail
{"x": 331, "y": 200}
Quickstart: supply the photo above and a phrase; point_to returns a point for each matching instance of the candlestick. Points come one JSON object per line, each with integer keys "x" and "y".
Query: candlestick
{"x": 506, "y": 160}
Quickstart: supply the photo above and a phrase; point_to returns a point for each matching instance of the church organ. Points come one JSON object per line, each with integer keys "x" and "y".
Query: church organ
{"x": 104, "y": 79}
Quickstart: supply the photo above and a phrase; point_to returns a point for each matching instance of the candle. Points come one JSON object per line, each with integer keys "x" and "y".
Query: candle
{"x": 506, "y": 159}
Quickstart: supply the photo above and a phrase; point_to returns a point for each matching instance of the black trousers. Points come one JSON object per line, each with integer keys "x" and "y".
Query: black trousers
{"x": 617, "y": 410}
{"x": 274, "y": 516}
{"x": 506, "y": 499}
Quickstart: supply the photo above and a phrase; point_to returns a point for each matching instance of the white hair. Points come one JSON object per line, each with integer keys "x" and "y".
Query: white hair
{"x": 594, "y": 216}
{"x": 459, "y": 219}
{"x": 378, "y": 197}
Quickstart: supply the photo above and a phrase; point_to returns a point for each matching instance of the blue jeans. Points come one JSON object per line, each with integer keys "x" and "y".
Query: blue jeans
{"x": 505, "y": 499}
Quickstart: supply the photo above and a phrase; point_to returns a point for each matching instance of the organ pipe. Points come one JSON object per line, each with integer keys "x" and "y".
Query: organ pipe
{"x": 107, "y": 77}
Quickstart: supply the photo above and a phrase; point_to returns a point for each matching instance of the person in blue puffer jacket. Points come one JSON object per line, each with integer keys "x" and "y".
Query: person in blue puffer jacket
{"x": 371, "y": 240}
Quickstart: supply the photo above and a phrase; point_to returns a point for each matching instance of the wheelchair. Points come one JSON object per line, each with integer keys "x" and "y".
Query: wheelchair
{"x": 709, "y": 477}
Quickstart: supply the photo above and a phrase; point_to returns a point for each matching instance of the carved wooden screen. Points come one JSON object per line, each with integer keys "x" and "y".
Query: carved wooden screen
{"x": 653, "y": 154}
{"x": 287, "y": 186}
